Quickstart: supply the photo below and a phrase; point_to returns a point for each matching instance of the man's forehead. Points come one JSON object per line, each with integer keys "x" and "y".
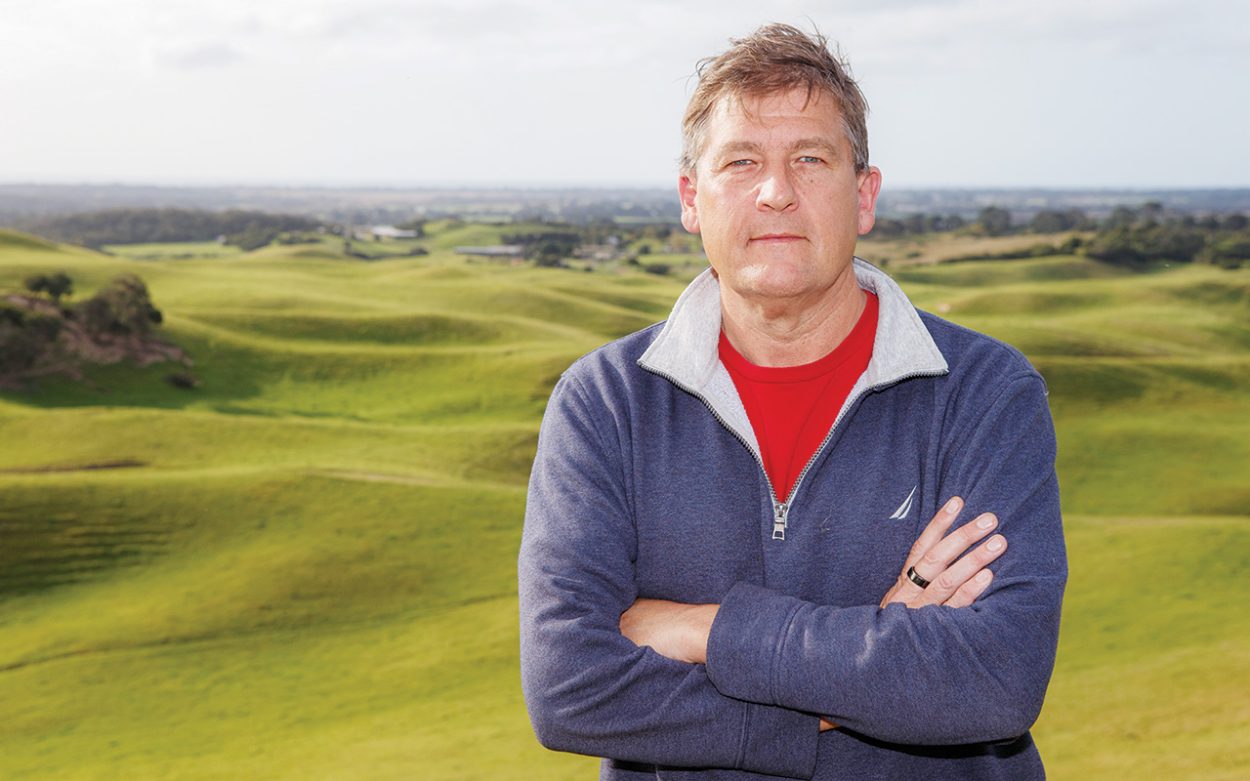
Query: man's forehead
{"x": 750, "y": 104}
{"x": 818, "y": 107}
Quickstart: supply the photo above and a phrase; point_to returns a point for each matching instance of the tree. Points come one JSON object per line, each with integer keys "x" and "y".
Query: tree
{"x": 1078, "y": 220}
{"x": 1171, "y": 241}
{"x": 1048, "y": 221}
{"x": 55, "y": 285}
{"x": 59, "y": 284}
{"x": 131, "y": 226}
{"x": 253, "y": 237}
{"x": 1121, "y": 217}
{"x": 37, "y": 283}
{"x": 123, "y": 307}
{"x": 1115, "y": 246}
{"x": 1054, "y": 221}
{"x": 1230, "y": 252}
{"x": 1236, "y": 222}
{"x": 994, "y": 221}
{"x": 1150, "y": 240}
{"x": 915, "y": 223}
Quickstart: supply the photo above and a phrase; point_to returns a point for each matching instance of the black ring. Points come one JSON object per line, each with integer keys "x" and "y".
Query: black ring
{"x": 914, "y": 577}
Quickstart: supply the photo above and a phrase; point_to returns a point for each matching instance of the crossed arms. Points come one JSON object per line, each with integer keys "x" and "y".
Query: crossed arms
{"x": 971, "y": 667}
{"x": 680, "y": 631}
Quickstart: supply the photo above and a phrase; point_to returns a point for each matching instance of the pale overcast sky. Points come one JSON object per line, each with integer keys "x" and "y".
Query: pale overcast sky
{"x": 1053, "y": 93}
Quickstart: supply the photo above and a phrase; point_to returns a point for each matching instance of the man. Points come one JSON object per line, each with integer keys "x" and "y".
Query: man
{"x": 758, "y": 535}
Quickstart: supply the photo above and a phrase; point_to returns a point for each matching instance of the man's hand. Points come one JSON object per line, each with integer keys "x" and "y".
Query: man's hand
{"x": 672, "y": 629}
{"x": 955, "y": 584}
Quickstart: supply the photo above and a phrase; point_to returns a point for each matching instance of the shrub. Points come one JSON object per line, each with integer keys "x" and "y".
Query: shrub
{"x": 123, "y": 307}
{"x": 55, "y": 285}
{"x": 25, "y": 338}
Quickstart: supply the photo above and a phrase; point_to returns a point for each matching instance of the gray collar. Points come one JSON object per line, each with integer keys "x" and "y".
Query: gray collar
{"x": 686, "y": 349}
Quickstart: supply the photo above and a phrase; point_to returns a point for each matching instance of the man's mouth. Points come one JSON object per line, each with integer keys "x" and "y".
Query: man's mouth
{"x": 770, "y": 238}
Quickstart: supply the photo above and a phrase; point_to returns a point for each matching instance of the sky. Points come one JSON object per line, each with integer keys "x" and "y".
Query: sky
{"x": 963, "y": 93}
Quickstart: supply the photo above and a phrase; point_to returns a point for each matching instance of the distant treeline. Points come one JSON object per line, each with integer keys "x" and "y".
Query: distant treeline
{"x": 249, "y": 229}
{"x": 991, "y": 221}
{"x": 1128, "y": 236}
{"x": 1137, "y": 239}
{"x": 20, "y": 203}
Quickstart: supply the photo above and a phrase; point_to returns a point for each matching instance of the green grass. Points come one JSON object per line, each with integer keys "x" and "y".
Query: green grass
{"x": 11, "y": 240}
{"x": 1152, "y": 660}
{"x": 305, "y": 568}
{"x": 173, "y": 251}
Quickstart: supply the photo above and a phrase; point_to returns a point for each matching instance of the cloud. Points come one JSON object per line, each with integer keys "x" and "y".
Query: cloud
{"x": 905, "y": 35}
{"x": 497, "y": 84}
{"x": 199, "y": 56}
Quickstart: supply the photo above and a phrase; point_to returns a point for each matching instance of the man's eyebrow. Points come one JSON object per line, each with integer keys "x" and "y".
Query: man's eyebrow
{"x": 815, "y": 143}
{"x": 735, "y": 147}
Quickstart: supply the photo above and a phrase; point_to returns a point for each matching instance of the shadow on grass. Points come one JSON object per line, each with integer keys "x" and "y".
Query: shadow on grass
{"x": 221, "y": 377}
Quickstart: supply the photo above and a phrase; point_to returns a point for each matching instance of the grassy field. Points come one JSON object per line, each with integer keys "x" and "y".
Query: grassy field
{"x": 947, "y": 246}
{"x": 173, "y": 251}
{"x": 305, "y": 568}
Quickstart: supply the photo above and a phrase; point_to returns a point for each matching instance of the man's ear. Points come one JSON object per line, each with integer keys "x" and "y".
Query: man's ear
{"x": 869, "y": 188}
{"x": 689, "y": 212}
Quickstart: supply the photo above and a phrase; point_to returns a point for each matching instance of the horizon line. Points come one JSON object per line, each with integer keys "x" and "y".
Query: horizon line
{"x": 557, "y": 185}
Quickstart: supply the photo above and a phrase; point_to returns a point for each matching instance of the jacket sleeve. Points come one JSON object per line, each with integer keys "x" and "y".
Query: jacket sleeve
{"x": 589, "y": 689}
{"x": 933, "y": 675}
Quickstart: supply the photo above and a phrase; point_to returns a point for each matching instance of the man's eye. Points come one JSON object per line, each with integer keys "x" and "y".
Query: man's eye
{"x": 810, "y": 159}
{"x": 740, "y": 163}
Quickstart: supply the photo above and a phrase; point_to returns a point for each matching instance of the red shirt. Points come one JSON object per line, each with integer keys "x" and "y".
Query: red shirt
{"x": 792, "y": 408}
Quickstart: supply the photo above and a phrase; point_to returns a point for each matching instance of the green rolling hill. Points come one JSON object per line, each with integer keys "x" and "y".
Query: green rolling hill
{"x": 305, "y": 567}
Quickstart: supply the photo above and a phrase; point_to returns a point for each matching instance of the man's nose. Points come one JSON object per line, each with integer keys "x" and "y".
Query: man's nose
{"x": 776, "y": 191}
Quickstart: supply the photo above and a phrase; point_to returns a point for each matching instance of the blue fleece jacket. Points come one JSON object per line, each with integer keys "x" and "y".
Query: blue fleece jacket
{"x": 648, "y": 483}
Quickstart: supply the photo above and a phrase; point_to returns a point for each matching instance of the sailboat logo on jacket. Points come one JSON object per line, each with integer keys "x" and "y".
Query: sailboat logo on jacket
{"x": 905, "y": 508}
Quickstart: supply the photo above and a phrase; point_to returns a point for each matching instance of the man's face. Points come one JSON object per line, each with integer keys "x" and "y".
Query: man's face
{"x": 776, "y": 197}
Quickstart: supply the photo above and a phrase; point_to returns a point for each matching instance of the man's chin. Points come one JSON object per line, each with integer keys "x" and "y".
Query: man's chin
{"x": 777, "y": 287}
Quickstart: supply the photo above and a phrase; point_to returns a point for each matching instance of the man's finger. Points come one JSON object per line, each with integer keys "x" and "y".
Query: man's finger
{"x": 971, "y": 589}
{"x": 935, "y": 530}
{"x": 953, "y": 578}
{"x": 938, "y": 557}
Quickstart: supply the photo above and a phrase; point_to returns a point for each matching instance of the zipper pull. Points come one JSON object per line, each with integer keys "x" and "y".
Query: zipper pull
{"x": 780, "y": 511}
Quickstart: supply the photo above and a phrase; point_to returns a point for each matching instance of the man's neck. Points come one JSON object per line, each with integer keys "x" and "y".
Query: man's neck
{"x": 790, "y": 333}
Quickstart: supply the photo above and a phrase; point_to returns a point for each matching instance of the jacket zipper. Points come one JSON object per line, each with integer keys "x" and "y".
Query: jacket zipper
{"x": 781, "y": 510}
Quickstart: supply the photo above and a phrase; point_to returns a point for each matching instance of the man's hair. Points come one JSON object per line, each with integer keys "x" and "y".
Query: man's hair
{"x": 775, "y": 58}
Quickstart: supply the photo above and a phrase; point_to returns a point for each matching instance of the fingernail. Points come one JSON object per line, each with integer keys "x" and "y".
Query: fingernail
{"x": 986, "y": 521}
{"x": 952, "y": 506}
{"x": 995, "y": 544}
{"x": 984, "y": 576}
